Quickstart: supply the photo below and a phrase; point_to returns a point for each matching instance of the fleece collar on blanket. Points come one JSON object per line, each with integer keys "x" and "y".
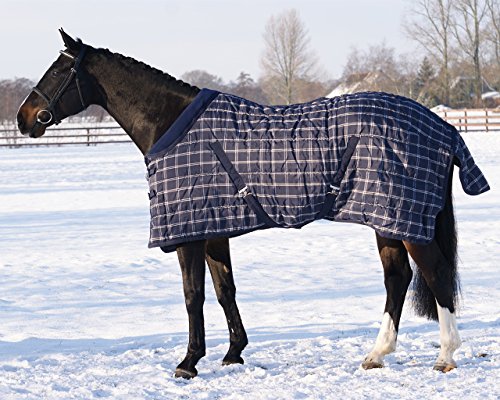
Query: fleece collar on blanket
{"x": 228, "y": 166}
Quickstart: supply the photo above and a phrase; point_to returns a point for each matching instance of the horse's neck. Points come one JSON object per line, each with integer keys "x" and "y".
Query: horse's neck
{"x": 144, "y": 102}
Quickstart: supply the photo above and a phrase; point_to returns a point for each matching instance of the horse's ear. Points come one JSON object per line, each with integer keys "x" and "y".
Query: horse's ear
{"x": 69, "y": 42}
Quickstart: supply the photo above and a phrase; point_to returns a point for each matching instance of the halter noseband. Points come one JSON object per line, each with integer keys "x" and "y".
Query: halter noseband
{"x": 51, "y": 103}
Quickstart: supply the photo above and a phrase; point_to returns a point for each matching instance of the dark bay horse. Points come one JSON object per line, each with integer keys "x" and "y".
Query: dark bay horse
{"x": 145, "y": 102}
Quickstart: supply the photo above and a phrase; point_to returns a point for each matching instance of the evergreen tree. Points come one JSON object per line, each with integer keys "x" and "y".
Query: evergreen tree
{"x": 425, "y": 84}
{"x": 425, "y": 75}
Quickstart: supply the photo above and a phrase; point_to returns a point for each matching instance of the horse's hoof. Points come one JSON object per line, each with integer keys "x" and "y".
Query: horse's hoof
{"x": 372, "y": 364}
{"x": 232, "y": 360}
{"x": 445, "y": 367}
{"x": 184, "y": 373}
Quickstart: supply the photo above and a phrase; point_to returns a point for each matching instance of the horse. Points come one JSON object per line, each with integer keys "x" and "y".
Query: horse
{"x": 146, "y": 102}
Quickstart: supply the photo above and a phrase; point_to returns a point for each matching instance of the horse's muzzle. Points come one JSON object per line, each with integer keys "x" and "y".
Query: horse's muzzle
{"x": 32, "y": 127}
{"x": 21, "y": 124}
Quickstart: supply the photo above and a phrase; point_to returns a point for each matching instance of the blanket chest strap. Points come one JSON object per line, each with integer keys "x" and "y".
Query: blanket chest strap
{"x": 331, "y": 195}
{"x": 241, "y": 187}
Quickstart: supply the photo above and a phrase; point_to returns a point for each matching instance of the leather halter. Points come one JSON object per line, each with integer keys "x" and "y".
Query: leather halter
{"x": 51, "y": 103}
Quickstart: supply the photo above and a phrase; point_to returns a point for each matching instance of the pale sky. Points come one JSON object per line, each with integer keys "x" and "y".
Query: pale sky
{"x": 222, "y": 37}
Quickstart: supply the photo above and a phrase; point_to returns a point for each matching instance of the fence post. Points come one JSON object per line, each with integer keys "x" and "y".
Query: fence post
{"x": 88, "y": 137}
{"x": 465, "y": 118}
{"x": 486, "y": 119}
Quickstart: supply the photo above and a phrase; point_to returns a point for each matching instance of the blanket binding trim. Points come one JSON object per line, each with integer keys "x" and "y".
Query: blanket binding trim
{"x": 182, "y": 124}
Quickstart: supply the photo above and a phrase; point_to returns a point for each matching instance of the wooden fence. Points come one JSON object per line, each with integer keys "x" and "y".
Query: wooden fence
{"x": 473, "y": 120}
{"x": 467, "y": 120}
{"x": 60, "y": 136}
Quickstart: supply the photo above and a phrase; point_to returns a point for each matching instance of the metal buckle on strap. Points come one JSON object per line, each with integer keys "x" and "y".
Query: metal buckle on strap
{"x": 244, "y": 192}
{"x": 335, "y": 190}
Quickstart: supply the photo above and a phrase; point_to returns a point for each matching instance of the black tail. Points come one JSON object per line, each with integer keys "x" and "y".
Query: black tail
{"x": 424, "y": 301}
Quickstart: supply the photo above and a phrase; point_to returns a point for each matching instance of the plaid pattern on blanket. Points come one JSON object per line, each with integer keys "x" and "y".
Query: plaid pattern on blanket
{"x": 384, "y": 159}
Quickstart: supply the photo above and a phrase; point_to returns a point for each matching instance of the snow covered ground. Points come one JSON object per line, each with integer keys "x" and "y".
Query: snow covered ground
{"x": 87, "y": 311}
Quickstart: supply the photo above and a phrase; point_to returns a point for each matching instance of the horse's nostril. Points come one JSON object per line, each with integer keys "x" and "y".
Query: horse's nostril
{"x": 20, "y": 121}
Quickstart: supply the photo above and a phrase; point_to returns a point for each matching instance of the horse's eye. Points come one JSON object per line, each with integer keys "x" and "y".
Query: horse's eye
{"x": 55, "y": 74}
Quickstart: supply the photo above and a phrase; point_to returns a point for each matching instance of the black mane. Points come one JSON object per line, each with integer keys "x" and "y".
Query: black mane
{"x": 165, "y": 77}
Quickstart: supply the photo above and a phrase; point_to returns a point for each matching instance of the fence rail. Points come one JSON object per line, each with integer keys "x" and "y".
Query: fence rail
{"x": 61, "y": 136}
{"x": 473, "y": 120}
{"x": 466, "y": 120}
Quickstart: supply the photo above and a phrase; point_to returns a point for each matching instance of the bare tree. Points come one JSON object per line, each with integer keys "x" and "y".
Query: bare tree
{"x": 493, "y": 32}
{"x": 490, "y": 67}
{"x": 377, "y": 68}
{"x": 287, "y": 58}
{"x": 467, "y": 31}
{"x": 431, "y": 26}
{"x": 377, "y": 57}
{"x": 12, "y": 93}
{"x": 203, "y": 79}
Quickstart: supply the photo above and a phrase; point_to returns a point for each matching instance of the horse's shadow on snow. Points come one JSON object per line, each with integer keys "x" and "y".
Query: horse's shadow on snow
{"x": 34, "y": 348}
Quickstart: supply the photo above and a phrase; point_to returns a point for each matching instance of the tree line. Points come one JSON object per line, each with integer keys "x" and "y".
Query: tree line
{"x": 459, "y": 62}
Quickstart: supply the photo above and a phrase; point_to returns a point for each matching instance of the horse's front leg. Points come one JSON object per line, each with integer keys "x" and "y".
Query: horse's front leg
{"x": 219, "y": 262}
{"x": 192, "y": 261}
{"x": 397, "y": 277}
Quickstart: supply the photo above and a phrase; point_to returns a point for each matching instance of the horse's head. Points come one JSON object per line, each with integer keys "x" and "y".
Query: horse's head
{"x": 61, "y": 92}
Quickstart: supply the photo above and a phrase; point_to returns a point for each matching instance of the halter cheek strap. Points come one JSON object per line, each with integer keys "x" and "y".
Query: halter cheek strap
{"x": 50, "y": 111}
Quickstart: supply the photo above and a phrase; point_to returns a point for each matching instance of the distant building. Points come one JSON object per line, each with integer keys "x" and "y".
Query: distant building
{"x": 363, "y": 82}
{"x": 463, "y": 86}
{"x": 491, "y": 99}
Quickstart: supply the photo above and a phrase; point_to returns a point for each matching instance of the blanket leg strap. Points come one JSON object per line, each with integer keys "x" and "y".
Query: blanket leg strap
{"x": 241, "y": 187}
{"x": 334, "y": 190}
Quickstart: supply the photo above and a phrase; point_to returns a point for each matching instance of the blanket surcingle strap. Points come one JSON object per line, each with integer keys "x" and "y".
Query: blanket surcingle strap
{"x": 228, "y": 166}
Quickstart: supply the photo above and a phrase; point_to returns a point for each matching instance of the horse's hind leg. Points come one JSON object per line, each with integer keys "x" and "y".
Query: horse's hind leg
{"x": 397, "y": 277}
{"x": 219, "y": 263}
{"x": 192, "y": 261}
{"x": 437, "y": 273}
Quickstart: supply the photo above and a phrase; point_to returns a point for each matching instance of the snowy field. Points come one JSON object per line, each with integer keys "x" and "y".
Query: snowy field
{"x": 87, "y": 311}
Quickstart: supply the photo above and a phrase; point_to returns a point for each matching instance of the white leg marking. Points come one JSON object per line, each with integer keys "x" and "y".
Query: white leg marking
{"x": 385, "y": 344}
{"x": 449, "y": 337}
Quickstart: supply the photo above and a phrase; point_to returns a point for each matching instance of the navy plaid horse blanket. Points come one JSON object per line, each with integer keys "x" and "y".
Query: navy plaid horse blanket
{"x": 228, "y": 166}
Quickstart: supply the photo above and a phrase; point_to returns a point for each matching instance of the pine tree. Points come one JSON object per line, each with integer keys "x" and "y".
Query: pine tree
{"x": 425, "y": 84}
{"x": 425, "y": 75}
